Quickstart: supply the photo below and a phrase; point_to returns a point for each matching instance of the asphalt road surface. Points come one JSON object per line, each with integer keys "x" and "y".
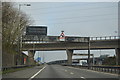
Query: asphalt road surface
{"x": 60, "y": 72}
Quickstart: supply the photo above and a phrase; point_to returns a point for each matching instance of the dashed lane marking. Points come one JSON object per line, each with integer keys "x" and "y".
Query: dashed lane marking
{"x": 65, "y": 70}
{"x": 71, "y": 73}
{"x": 83, "y": 78}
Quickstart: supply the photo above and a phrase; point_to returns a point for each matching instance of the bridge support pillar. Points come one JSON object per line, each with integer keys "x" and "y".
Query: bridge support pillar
{"x": 69, "y": 56}
{"x": 117, "y": 50}
{"x": 31, "y": 54}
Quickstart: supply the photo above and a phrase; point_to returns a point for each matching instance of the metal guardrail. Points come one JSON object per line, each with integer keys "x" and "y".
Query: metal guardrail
{"x": 109, "y": 69}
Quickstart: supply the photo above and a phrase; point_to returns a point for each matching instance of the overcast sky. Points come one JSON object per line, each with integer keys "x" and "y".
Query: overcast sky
{"x": 93, "y": 19}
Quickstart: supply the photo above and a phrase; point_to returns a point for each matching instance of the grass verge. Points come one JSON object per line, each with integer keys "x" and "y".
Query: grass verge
{"x": 14, "y": 70}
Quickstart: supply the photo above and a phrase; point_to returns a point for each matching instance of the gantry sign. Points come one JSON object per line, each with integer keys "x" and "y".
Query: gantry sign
{"x": 36, "y": 30}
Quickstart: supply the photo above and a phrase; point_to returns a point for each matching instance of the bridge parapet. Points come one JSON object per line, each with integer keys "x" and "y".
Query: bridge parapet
{"x": 45, "y": 39}
{"x": 105, "y": 38}
{"x": 48, "y": 39}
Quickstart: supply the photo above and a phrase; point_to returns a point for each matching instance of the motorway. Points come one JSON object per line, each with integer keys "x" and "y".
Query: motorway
{"x": 60, "y": 72}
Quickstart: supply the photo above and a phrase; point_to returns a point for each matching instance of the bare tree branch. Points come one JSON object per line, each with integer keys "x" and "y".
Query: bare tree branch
{"x": 13, "y": 22}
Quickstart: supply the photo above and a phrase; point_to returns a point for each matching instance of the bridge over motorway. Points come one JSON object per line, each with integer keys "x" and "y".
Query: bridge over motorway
{"x": 33, "y": 43}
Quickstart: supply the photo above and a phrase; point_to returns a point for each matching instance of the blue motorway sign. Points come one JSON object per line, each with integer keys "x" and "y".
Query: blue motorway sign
{"x": 38, "y": 59}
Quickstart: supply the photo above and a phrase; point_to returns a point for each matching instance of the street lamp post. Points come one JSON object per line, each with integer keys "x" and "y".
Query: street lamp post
{"x": 20, "y": 35}
{"x": 88, "y": 52}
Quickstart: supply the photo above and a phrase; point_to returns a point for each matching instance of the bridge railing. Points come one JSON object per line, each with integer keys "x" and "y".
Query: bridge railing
{"x": 105, "y": 38}
{"x": 42, "y": 39}
{"x": 109, "y": 69}
{"x": 45, "y": 39}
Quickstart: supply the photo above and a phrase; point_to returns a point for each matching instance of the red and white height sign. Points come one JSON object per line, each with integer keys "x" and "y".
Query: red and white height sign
{"x": 24, "y": 60}
{"x": 62, "y": 36}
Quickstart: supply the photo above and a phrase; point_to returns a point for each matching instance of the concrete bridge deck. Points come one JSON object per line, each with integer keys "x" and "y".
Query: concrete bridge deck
{"x": 94, "y": 44}
{"x": 32, "y": 44}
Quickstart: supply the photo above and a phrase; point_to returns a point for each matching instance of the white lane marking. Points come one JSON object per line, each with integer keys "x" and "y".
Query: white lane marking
{"x": 71, "y": 73}
{"x": 65, "y": 70}
{"x": 37, "y": 73}
{"x": 82, "y": 77}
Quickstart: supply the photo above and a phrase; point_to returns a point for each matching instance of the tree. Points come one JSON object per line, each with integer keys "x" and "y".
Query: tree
{"x": 13, "y": 22}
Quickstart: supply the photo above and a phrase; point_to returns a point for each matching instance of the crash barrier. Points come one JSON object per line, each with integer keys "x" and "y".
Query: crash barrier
{"x": 109, "y": 69}
{"x": 16, "y": 67}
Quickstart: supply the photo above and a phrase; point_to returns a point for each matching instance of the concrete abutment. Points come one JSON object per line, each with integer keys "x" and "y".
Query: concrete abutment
{"x": 31, "y": 54}
{"x": 69, "y": 56}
